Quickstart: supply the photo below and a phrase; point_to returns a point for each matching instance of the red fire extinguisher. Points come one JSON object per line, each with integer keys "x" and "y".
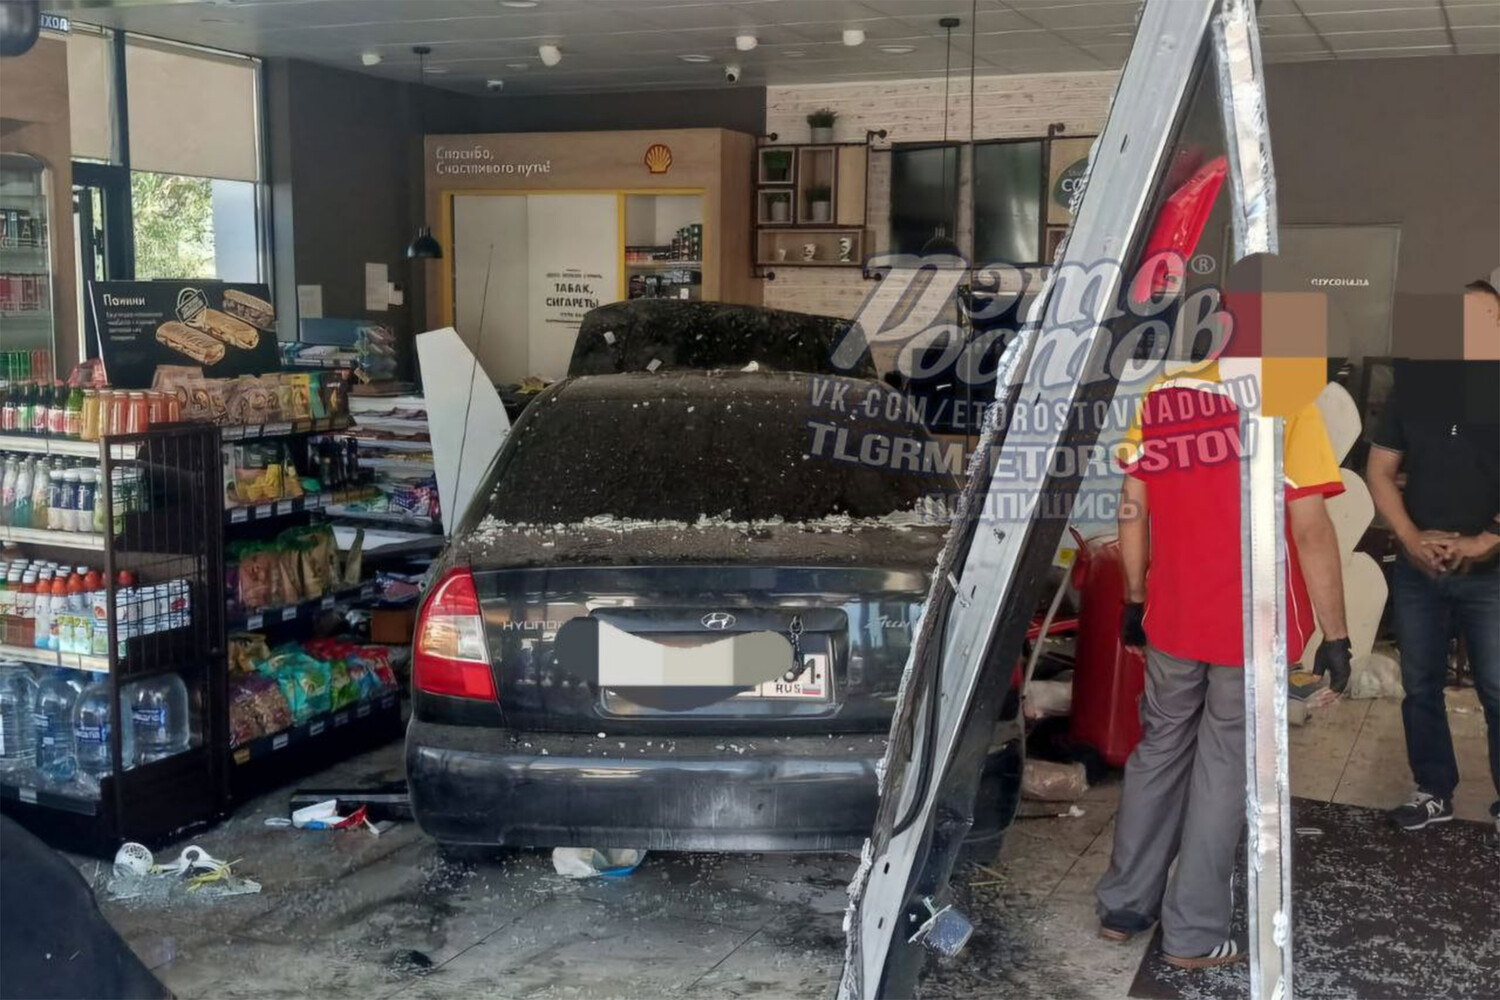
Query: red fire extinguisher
{"x": 1108, "y": 678}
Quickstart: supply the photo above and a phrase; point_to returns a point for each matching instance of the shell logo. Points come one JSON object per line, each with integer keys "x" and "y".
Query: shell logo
{"x": 658, "y": 159}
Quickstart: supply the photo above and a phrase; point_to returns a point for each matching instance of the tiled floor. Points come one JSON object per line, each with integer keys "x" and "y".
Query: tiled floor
{"x": 341, "y": 913}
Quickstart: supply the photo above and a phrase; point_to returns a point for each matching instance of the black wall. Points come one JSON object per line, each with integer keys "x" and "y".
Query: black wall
{"x": 345, "y": 152}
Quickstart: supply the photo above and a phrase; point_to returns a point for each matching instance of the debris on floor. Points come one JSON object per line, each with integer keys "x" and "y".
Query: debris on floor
{"x": 195, "y": 874}
{"x": 587, "y": 862}
{"x": 1049, "y": 781}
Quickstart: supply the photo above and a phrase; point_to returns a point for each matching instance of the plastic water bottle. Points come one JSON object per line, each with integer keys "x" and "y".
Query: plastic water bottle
{"x": 8, "y": 489}
{"x": 17, "y": 703}
{"x": 93, "y": 719}
{"x": 159, "y": 716}
{"x": 20, "y": 515}
{"x": 56, "y": 759}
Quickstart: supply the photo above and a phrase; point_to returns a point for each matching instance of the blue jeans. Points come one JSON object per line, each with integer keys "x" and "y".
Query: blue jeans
{"x": 1425, "y": 610}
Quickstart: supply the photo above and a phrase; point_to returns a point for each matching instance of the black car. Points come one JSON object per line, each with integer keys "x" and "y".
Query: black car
{"x": 670, "y": 512}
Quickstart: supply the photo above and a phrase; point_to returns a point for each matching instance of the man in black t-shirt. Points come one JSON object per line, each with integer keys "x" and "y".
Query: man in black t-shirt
{"x": 1441, "y": 428}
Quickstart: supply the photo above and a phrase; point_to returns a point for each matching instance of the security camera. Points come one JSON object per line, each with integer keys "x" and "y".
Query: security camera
{"x": 494, "y": 86}
{"x": 732, "y": 73}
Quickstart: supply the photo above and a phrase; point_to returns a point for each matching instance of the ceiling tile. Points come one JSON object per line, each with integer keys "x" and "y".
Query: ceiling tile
{"x": 1474, "y": 41}
{"x": 1392, "y": 19}
{"x": 1308, "y": 44}
{"x": 1063, "y": 14}
{"x": 1474, "y": 15}
{"x": 1347, "y": 41}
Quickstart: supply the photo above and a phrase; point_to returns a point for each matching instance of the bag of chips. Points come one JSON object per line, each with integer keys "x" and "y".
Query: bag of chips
{"x": 246, "y": 650}
{"x": 257, "y": 706}
{"x": 303, "y": 680}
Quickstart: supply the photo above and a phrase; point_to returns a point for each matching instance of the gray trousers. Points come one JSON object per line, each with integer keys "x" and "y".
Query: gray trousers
{"x": 1184, "y": 798}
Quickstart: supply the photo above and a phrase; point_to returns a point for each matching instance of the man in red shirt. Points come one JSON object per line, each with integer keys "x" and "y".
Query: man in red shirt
{"x": 1180, "y": 542}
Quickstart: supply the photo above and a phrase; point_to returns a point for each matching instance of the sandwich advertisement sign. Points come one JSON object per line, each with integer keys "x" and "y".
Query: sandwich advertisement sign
{"x": 225, "y": 329}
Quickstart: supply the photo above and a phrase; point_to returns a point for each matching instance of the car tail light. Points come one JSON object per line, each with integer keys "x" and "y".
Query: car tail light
{"x": 450, "y": 655}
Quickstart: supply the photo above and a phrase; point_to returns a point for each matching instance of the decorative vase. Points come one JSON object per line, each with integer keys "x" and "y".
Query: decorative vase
{"x": 822, "y": 133}
{"x": 781, "y": 210}
{"x": 820, "y": 211}
{"x": 846, "y": 248}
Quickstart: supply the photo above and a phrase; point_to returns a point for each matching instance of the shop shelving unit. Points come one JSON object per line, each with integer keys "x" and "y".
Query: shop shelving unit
{"x": 163, "y": 527}
{"x": 275, "y": 758}
{"x": 789, "y": 224}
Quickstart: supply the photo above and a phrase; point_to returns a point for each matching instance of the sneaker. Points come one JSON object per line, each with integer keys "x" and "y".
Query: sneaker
{"x": 1422, "y": 810}
{"x": 1224, "y": 954}
{"x": 1122, "y": 925}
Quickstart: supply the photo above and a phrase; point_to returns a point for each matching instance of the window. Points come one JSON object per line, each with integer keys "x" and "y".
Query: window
{"x": 924, "y": 196}
{"x": 1008, "y": 202}
{"x": 187, "y": 184}
{"x": 1019, "y": 209}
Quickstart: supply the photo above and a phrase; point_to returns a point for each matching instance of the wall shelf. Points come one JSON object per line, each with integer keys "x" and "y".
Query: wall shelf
{"x": 825, "y": 198}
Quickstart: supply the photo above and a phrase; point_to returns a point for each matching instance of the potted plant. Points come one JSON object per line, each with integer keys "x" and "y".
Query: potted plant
{"x": 820, "y": 203}
{"x": 821, "y": 122}
{"x": 779, "y": 206}
{"x": 777, "y": 164}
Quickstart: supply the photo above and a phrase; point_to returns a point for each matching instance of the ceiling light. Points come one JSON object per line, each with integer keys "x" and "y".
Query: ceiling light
{"x": 696, "y": 58}
{"x": 854, "y": 36}
{"x": 897, "y": 50}
{"x": 551, "y": 55}
{"x": 494, "y": 84}
{"x": 370, "y": 58}
{"x": 519, "y": 4}
{"x": 745, "y": 42}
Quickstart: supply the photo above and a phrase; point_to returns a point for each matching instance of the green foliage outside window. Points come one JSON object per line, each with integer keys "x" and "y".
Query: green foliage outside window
{"x": 174, "y": 226}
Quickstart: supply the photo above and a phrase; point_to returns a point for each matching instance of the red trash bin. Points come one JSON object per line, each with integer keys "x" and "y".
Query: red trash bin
{"x": 1108, "y": 679}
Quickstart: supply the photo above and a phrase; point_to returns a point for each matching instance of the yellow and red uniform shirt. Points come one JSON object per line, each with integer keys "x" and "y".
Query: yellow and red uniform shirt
{"x": 1185, "y": 446}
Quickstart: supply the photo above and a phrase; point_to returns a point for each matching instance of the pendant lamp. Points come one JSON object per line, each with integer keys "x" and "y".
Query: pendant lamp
{"x": 423, "y": 246}
{"x": 940, "y": 242}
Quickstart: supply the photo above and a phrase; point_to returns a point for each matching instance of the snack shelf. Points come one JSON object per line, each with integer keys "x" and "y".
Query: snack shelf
{"x": 285, "y": 428}
{"x": 351, "y": 719}
{"x": 53, "y": 658}
{"x": 401, "y": 521}
{"x": 50, "y": 799}
{"x": 56, "y": 539}
{"x": 303, "y": 609}
{"x": 276, "y": 508}
{"x": 62, "y": 446}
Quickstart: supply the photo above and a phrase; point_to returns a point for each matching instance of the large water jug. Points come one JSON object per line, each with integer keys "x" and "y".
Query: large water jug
{"x": 93, "y": 719}
{"x": 56, "y": 759}
{"x": 159, "y": 716}
{"x": 17, "y": 703}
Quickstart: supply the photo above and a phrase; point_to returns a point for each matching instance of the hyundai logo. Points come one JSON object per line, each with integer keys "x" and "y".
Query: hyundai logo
{"x": 718, "y": 620}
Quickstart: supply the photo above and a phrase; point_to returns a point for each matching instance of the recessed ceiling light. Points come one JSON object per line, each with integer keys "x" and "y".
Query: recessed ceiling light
{"x": 897, "y": 50}
{"x": 695, "y": 57}
{"x": 745, "y": 43}
{"x": 370, "y": 58}
{"x": 551, "y": 55}
{"x": 518, "y": 4}
{"x": 854, "y": 36}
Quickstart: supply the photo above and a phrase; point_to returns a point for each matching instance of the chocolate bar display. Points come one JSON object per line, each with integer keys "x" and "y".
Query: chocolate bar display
{"x": 190, "y": 343}
{"x": 222, "y": 326}
{"x": 251, "y": 308}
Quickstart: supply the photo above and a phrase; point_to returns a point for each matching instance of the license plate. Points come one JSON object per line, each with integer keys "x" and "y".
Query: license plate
{"x": 812, "y": 685}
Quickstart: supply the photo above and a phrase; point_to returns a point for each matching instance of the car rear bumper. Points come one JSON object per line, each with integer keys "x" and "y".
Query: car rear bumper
{"x": 473, "y": 785}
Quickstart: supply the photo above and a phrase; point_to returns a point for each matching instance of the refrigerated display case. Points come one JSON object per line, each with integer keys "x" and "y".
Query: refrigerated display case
{"x": 27, "y": 317}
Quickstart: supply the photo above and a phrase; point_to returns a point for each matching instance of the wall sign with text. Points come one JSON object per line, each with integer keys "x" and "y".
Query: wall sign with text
{"x": 225, "y": 329}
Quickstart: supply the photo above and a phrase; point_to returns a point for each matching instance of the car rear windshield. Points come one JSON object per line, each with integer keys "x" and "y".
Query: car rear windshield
{"x": 675, "y": 457}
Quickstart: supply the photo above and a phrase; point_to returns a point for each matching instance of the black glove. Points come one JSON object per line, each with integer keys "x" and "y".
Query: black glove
{"x": 1133, "y": 625}
{"x": 1335, "y": 658}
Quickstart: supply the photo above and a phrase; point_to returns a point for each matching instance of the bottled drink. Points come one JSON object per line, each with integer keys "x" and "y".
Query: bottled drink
{"x": 62, "y": 612}
{"x": 73, "y": 415}
{"x": 26, "y": 609}
{"x": 93, "y": 718}
{"x": 56, "y": 759}
{"x": 41, "y": 615}
{"x": 8, "y": 598}
{"x": 27, "y": 410}
{"x": 17, "y": 732}
{"x": 57, "y": 412}
{"x": 8, "y": 489}
{"x": 9, "y": 405}
{"x": 159, "y": 716}
{"x": 89, "y": 430}
{"x": 41, "y": 494}
{"x": 21, "y": 513}
{"x": 64, "y": 501}
{"x": 83, "y": 515}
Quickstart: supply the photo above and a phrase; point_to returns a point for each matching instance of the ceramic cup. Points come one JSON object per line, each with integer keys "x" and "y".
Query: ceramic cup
{"x": 781, "y": 253}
